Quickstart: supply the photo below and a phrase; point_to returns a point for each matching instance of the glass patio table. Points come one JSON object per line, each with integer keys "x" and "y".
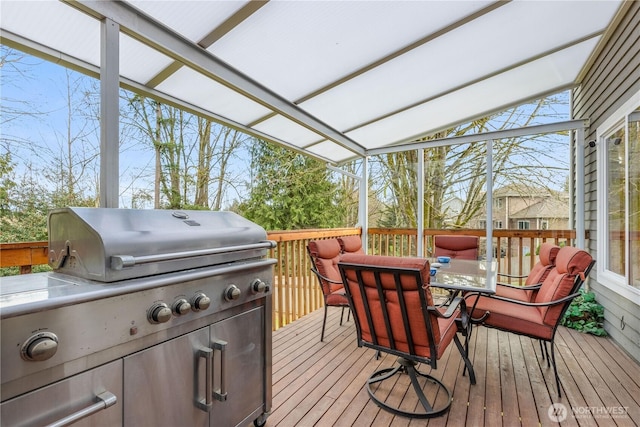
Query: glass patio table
{"x": 466, "y": 276}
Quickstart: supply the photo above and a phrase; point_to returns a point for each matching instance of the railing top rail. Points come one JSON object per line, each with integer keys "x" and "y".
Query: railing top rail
{"x": 318, "y": 233}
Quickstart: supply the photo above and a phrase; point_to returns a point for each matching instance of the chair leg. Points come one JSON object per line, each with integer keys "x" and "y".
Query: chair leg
{"x": 324, "y": 322}
{"x": 341, "y": 314}
{"x": 541, "y": 349}
{"x": 555, "y": 369}
{"x": 546, "y": 350}
{"x": 408, "y": 367}
{"x": 465, "y": 356}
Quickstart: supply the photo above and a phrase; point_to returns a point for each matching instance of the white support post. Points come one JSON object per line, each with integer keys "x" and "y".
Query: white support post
{"x": 489, "y": 225}
{"x": 109, "y": 114}
{"x": 579, "y": 192}
{"x": 363, "y": 204}
{"x": 420, "y": 201}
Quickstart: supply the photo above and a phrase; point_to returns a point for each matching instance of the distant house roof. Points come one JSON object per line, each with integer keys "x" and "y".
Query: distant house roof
{"x": 547, "y": 208}
{"x": 523, "y": 190}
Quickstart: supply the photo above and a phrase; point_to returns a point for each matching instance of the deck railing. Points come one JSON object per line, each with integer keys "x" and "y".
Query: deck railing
{"x": 295, "y": 289}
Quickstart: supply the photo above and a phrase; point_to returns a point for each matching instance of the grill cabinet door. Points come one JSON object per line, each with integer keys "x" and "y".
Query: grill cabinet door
{"x": 244, "y": 368}
{"x": 164, "y": 384}
{"x": 57, "y": 401}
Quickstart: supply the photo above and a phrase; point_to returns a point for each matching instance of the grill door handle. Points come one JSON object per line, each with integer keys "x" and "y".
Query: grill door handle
{"x": 118, "y": 262}
{"x": 221, "y": 393}
{"x": 106, "y": 399}
{"x": 207, "y": 403}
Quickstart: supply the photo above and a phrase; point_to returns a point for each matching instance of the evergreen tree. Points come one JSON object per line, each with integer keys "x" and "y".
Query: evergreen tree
{"x": 289, "y": 191}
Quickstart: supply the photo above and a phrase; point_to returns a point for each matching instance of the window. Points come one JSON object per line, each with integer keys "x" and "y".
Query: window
{"x": 497, "y": 224}
{"x": 523, "y": 225}
{"x": 483, "y": 223}
{"x": 498, "y": 203}
{"x": 619, "y": 201}
{"x": 544, "y": 225}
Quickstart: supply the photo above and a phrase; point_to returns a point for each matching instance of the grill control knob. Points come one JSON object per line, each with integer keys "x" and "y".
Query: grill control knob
{"x": 258, "y": 286}
{"x": 159, "y": 313}
{"x": 40, "y": 347}
{"x": 232, "y": 292}
{"x": 181, "y": 306}
{"x": 200, "y": 302}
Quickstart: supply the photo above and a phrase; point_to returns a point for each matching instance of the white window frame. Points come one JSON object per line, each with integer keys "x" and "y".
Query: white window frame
{"x": 607, "y": 278}
{"x": 523, "y": 221}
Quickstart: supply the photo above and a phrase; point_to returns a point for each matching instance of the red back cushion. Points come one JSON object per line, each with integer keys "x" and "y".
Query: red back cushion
{"x": 414, "y": 308}
{"x": 351, "y": 244}
{"x": 570, "y": 262}
{"x": 539, "y": 272}
{"x": 460, "y": 247}
{"x": 326, "y": 254}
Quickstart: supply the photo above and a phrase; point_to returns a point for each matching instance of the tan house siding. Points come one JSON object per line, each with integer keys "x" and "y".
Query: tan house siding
{"x": 610, "y": 81}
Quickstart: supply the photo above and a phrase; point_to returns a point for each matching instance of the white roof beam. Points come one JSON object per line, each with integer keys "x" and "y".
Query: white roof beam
{"x": 499, "y": 134}
{"x": 143, "y": 28}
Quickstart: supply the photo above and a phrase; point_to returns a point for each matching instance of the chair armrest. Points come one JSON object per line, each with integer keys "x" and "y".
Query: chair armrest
{"x": 321, "y": 277}
{"x": 513, "y": 276}
{"x": 537, "y": 304}
{"x": 453, "y": 307}
{"x": 524, "y": 288}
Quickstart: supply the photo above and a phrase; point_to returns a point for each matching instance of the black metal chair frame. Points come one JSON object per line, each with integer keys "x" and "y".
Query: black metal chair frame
{"x": 406, "y": 361}
{"x": 579, "y": 280}
{"x": 326, "y": 306}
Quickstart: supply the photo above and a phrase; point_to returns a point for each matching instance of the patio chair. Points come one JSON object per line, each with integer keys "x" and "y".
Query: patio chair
{"x": 534, "y": 279}
{"x": 456, "y": 247}
{"x": 324, "y": 256}
{"x": 407, "y": 324}
{"x": 539, "y": 319}
{"x": 528, "y": 291}
{"x": 351, "y": 244}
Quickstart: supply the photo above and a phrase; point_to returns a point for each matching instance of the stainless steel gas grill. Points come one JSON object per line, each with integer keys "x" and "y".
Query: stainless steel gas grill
{"x": 150, "y": 318}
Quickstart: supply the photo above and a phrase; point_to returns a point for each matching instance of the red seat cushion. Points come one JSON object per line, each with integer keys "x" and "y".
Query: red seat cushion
{"x": 512, "y": 317}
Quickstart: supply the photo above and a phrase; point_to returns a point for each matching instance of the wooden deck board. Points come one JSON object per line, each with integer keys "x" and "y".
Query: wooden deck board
{"x": 323, "y": 383}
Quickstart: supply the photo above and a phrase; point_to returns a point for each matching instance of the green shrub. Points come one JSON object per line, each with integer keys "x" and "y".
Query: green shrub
{"x": 585, "y": 314}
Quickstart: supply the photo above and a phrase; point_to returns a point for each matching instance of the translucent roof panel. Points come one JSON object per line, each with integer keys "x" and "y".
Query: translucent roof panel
{"x": 332, "y": 78}
{"x": 140, "y": 62}
{"x": 287, "y": 130}
{"x": 330, "y": 150}
{"x": 297, "y": 47}
{"x": 531, "y": 80}
{"x": 54, "y": 25}
{"x": 191, "y": 19}
{"x": 197, "y": 89}
{"x": 449, "y": 61}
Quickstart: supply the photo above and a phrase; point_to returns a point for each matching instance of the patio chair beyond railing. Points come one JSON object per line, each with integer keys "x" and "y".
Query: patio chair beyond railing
{"x": 394, "y": 313}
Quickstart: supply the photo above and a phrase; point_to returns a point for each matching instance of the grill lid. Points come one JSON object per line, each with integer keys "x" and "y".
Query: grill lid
{"x": 108, "y": 245}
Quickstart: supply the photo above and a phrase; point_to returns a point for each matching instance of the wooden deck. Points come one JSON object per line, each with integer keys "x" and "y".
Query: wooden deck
{"x": 322, "y": 384}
